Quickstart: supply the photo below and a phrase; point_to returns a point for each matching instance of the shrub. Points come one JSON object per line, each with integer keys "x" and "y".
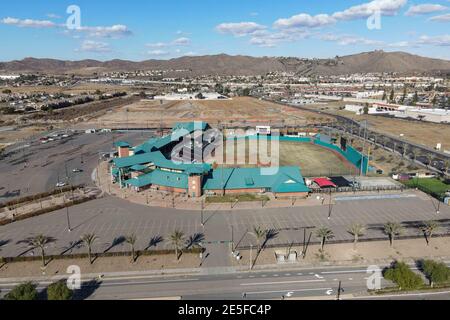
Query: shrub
{"x": 403, "y": 276}
{"x": 24, "y": 291}
{"x": 436, "y": 272}
{"x": 59, "y": 291}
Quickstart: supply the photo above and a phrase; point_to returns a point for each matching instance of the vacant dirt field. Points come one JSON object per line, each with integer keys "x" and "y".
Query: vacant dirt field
{"x": 240, "y": 111}
{"x": 313, "y": 160}
{"x": 18, "y": 134}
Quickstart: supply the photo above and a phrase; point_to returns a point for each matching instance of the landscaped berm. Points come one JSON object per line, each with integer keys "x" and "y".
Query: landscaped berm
{"x": 156, "y": 164}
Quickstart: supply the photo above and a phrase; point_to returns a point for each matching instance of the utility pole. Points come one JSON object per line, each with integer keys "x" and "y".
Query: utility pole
{"x": 330, "y": 207}
{"x": 251, "y": 253}
{"x": 339, "y": 291}
{"x": 232, "y": 238}
{"x": 201, "y": 213}
{"x": 364, "y": 147}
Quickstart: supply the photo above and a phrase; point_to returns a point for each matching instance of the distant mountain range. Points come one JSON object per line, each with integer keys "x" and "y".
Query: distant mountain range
{"x": 367, "y": 62}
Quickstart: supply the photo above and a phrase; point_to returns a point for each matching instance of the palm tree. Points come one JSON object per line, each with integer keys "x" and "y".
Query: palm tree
{"x": 430, "y": 158}
{"x": 446, "y": 166}
{"x": 40, "y": 241}
{"x": 88, "y": 240}
{"x": 392, "y": 229}
{"x": 324, "y": 234}
{"x": 428, "y": 228}
{"x": 177, "y": 240}
{"x": 356, "y": 230}
{"x": 414, "y": 154}
{"x": 131, "y": 240}
{"x": 259, "y": 235}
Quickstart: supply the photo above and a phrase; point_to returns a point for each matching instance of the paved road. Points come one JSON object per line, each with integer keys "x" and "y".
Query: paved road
{"x": 318, "y": 283}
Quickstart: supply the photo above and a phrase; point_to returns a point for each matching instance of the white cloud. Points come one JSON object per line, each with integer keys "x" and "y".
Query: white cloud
{"x": 28, "y": 23}
{"x": 425, "y": 9}
{"x": 53, "y": 16}
{"x": 157, "y": 45}
{"x": 240, "y": 29}
{"x": 400, "y": 44}
{"x": 115, "y": 31}
{"x": 305, "y": 20}
{"x": 158, "y": 53}
{"x": 441, "y": 41}
{"x": 365, "y": 10}
{"x": 270, "y": 40}
{"x": 179, "y": 42}
{"x": 94, "y": 46}
{"x": 441, "y": 18}
{"x": 345, "y": 40}
{"x": 182, "y": 42}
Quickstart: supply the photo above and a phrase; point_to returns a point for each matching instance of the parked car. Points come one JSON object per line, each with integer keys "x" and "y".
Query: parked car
{"x": 61, "y": 184}
{"x": 77, "y": 170}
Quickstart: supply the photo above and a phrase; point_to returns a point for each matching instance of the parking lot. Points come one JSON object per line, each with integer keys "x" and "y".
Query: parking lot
{"x": 35, "y": 167}
{"x": 110, "y": 218}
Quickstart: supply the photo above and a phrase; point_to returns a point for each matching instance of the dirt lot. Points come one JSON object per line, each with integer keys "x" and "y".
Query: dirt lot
{"x": 239, "y": 110}
{"x": 100, "y": 266}
{"x": 387, "y": 161}
{"x": 365, "y": 251}
{"x": 13, "y": 136}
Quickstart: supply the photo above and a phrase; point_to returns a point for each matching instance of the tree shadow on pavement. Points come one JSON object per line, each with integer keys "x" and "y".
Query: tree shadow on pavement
{"x": 87, "y": 289}
{"x": 154, "y": 242}
{"x": 116, "y": 242}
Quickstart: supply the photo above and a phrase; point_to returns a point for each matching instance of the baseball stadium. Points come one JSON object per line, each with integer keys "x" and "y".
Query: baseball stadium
{"x": 185, "y": 162}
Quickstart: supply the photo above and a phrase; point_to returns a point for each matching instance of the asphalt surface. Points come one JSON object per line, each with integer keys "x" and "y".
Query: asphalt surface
{"x": 32, "y": 167}
{"x": 318, "y": 283}
{"x": 110, "y": 218}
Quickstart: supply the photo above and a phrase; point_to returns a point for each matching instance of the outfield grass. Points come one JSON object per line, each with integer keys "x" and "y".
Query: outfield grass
{"x": 238, "y": 197}
{"x": 429, "y": 185}
{"x": 313, "y": 160}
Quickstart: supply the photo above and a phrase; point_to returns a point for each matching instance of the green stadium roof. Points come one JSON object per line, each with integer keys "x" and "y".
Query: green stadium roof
{"x": 283, "y": 179}
{"x": 160, "y": 178}
{"x": 158, "y": 159}
{"x": 138, "y": 167}
{"x": 121, "y": 144}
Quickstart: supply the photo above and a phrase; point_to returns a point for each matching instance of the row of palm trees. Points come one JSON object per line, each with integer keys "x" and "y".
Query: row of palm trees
{"x": 176, "y": 239}
{"x": 357, "y": 230}
{"x": 391, "y": 229}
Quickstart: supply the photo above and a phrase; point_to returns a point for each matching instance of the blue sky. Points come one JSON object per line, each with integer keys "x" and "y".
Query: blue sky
{"x": 164, "y": 29}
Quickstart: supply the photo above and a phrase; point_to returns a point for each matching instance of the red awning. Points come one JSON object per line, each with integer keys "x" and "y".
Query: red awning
{"x": 324, "y": 183}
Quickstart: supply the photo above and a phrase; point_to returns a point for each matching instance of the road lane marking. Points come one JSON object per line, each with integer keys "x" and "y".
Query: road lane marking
{"x": 282, "y": 291}
{"x": 280, "y": 282}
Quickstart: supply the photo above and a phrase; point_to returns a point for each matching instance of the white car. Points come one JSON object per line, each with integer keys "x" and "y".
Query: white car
{"x": 61, "y": 184}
